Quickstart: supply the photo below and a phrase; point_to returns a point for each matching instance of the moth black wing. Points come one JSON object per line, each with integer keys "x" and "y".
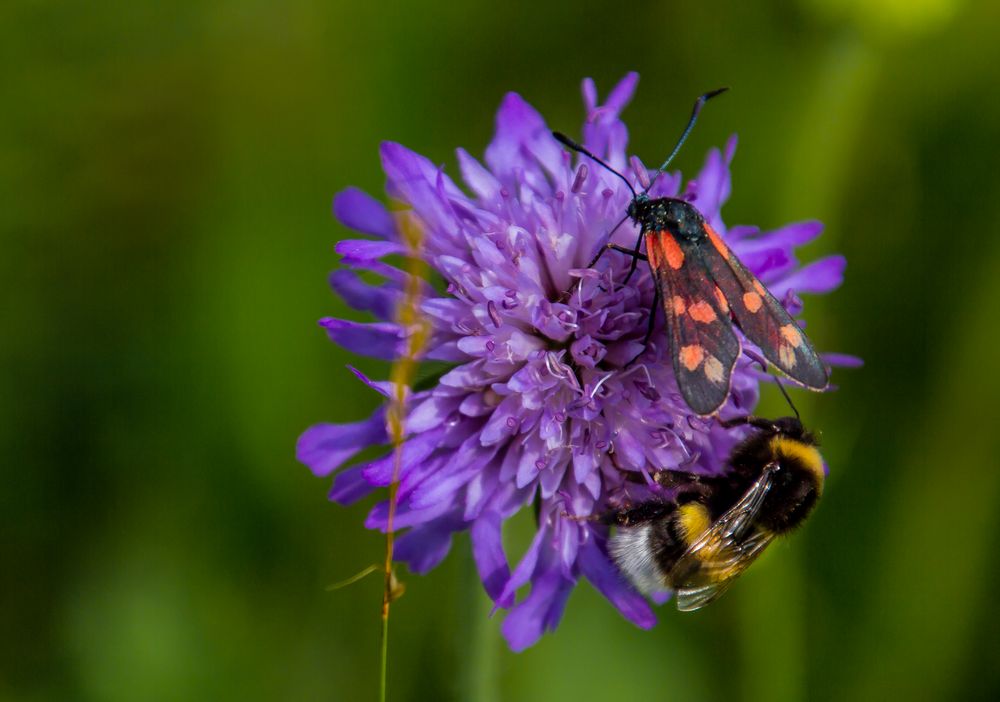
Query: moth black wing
{"x": 762, "y": 318}
{"x": 703, "y": 346}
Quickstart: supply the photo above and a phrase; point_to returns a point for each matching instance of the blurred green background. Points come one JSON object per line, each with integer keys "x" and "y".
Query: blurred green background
{"x": 167, "y": 171}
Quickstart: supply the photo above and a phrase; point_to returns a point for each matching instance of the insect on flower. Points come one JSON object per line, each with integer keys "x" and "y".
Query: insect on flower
{"x": 714, "y": 527}
{"x": 537, "y": 412}
{"x": 703, "y": 287}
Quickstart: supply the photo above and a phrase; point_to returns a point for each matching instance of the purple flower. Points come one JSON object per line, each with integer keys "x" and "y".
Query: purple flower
{"x": 539, "y": 408}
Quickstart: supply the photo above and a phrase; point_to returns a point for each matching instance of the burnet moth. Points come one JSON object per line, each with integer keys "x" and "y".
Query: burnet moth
{"x": 704, "y": 289}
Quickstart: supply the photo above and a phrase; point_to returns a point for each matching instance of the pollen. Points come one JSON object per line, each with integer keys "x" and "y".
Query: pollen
{"x": 752, "y": 301}
{"x": 714, "y": 370}
{"x": 792, "y": 335}
{"x": 679, "y": 306}
{"x": 702, "y": 312}
{"x": 691, "y": 356}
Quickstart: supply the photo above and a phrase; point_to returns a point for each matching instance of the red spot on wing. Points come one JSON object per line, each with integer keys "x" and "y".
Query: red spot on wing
{"x": 691, "y": 356}
{"x": 702, "y": 312}
{"x": 787, "y": 356}
{"x": 653, "y": 250}
{"x": 716, "y": 240}
{"x": 752, "y": 301}
{"x": 792, "y": 335}
{"x": 714, "y": 370}
{"x": 660, "y": 247}
{"x": 723, "y": 302}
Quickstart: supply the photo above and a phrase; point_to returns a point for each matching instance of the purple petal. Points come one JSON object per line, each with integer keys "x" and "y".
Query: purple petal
{"x": 520, "y": 132}
{"x": 470, "y": 376}
{"x": 819, "y": 276}
{"x": 788, "y": 237}
{"x": 621, "y": 94}
{"x": 540, "y": 611}
{"x": 767, "y": 262}
{"x": 382, "y": 387}
{"x": 478, "y": 492}
{"x": 449, "y": 352}
{"x": 414, "y": 452}
{"x": 405, "y": 515}
{"x": 662, "y": 597}
{"x": 350, "y": 486}
{"x": 714, "y": 184}
{"x": 487, "y": 549}
{"x": 358, "y": 252}
{"x": 416, "y": 180}
{"x": 376, "y": 340}
{"x": 444, "y": 483}
{"x": 589, "y": 90}
{"x": 360, "y": 211}
{"x": 380, "y": 300}
{"x": 498, "y": 428}
{"x": 842, "y": 360}
{"x": 431, "y": 413}
{"x": 423, "y": 547}
{"x": 526, "y": 568}
{"x": 483, "y": 183}
{"x": 405, "y": 166}
{"x": 325, "y": 447}
{"x": 603, "y": 132}
{"x": 599, "y": 570}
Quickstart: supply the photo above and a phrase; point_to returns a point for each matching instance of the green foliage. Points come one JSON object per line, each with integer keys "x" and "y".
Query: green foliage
{"x": 166, "y": 233}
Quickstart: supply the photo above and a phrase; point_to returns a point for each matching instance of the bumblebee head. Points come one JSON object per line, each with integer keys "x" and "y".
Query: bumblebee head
{"x": 793, "y": 429}
{"x": 798, "y": 476}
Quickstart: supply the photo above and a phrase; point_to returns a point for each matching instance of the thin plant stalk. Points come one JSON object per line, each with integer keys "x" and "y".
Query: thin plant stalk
{"x": 402, "y": 375}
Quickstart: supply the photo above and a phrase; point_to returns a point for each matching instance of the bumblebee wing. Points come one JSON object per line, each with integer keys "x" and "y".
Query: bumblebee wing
{"x": 703, "y": 346}
{"x": 762, "y": 318}
{"x": 723, "y": 572}
{"x": 723, "y": 551}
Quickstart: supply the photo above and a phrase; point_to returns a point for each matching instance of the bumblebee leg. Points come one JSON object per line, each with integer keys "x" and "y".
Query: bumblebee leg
{"x": 676, "y": 478}
{"x": 639, "y": 514}
{"x": 757, "y": 422}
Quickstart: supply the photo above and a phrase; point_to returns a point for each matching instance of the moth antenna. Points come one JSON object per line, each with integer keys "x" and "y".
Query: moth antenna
{"x": 566, "y": 141}
{"x": 698, "y": 104}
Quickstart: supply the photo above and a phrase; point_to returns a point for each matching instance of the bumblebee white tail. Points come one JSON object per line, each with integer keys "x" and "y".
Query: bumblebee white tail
{"x": 631, "y": 550}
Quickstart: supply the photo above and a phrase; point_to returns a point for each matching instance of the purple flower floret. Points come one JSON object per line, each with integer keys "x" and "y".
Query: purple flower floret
{"x": 539, "y": 408}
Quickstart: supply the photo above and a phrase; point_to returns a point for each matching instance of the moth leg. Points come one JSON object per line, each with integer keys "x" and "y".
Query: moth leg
{"x": 649, "y": 328}
{"x": 636, "y": 256}
{"x": 635, "y": 259}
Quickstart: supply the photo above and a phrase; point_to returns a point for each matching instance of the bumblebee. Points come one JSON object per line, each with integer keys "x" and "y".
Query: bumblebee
{"x": 714, "y": 527}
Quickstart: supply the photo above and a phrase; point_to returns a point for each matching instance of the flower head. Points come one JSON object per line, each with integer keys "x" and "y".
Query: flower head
{"x": 539, "y": 408}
